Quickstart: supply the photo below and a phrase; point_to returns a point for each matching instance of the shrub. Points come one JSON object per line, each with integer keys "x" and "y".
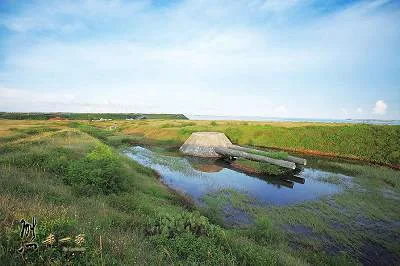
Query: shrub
{"x": 186, "y": 131}
{"x": 99, "y": 171}
{"x": 189, "y": 237}
{"x": 194, "y": 223}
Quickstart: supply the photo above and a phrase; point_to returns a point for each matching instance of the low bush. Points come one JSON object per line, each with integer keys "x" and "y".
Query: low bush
{"x": 99, "y": 171}
{"x": 171, "y": 226}
{"x": 184, "y": 131}
{"x": 190, "y": 238}
{"x": 91, "y": 171}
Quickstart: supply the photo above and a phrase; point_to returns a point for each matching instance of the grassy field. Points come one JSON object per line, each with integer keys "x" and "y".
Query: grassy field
{"x": 74, "y": 183}
{"x": 373, "y": 143}
{"x": 73, "y": 179}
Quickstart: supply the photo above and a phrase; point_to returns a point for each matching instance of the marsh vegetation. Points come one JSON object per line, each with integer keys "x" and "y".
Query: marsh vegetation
{"x": 74, "y": 178}
{"x": 372, "y": 143}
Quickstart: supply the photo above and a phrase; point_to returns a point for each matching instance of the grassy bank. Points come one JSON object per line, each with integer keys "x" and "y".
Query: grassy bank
{"x": 373, "y": 143}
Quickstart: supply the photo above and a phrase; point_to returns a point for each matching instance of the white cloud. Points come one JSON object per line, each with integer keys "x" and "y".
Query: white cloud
{"x": 380, "y": 107}
{"x": 281, "y": 109}
{"x": 344, "y": 111}
{"x": 359, "y": 110}
{"x": 7, "y": 94}
{"x": 195, "y": 56}
{"x": 202, "y": 101}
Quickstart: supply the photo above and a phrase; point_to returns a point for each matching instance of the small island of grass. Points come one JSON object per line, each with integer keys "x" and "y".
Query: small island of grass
{"x": 261, "y": 168}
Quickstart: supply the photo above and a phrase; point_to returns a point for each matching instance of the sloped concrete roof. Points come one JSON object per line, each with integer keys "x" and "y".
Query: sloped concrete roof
{"x": 202, "y": 144}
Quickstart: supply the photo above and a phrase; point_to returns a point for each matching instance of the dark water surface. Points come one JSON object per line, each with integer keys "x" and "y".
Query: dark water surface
{"x": 196, "y": 177}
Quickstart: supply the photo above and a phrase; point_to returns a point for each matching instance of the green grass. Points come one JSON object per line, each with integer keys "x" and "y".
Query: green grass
{"x": 74, "y": 180}
{"x": 373, "y": 143}
{"x": 19, "y": 133}
{"x": 177, "y": 125}
{"x": 366, "y": 212}
{"x": 262, "y": 168}
{"x": 74, "y": 183}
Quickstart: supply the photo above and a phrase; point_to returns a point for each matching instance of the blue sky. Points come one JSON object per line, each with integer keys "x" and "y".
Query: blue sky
{"x": 275, "y": 58}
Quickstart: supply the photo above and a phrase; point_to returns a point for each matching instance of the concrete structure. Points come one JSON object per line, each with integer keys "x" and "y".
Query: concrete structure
{"x": 216, "y": 144}
{"x": 289, "y": 158}
{"x": 202, "y": 144}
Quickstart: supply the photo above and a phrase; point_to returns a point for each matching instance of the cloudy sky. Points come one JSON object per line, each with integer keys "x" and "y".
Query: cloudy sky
{"x": 274, "y": 58}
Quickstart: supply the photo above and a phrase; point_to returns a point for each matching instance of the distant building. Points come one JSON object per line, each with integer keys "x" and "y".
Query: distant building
{"x": 139, "y": 117}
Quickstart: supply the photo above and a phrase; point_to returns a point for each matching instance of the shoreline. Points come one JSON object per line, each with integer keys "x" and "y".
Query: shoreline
{"x": 331, "y": 155}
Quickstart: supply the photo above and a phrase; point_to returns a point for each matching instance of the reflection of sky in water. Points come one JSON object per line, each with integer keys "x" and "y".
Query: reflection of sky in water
{"x": 179, "y": 174}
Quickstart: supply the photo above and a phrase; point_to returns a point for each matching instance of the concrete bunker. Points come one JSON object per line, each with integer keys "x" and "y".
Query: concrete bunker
{"x": 217, "y": 145}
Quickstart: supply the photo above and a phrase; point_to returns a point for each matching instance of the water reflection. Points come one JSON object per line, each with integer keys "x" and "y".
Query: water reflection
{"x": 273, "y": 180}
{"x": 197, "y": 177}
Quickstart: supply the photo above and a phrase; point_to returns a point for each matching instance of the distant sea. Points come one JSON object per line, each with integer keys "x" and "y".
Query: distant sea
{"x": 288, "y": 119}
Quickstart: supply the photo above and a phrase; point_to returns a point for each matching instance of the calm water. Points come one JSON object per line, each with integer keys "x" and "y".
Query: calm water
{"x": 197, "y": 177}
{"x": 289, "y": 119}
